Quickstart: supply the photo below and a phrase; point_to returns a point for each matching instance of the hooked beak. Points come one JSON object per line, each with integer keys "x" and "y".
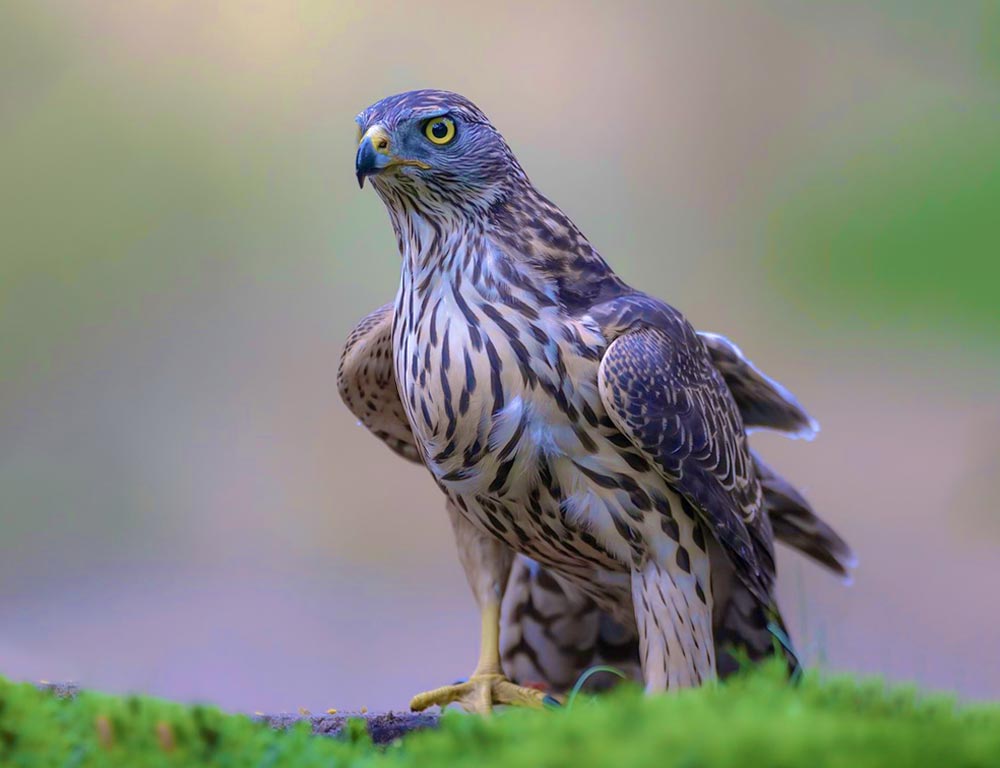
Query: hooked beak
{"x": 375, "y": 155}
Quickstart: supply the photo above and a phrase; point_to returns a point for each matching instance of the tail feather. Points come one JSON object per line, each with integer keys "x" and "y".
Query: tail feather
{"x": 764, "y": 403}
{"x": 796, "y": 525}
{"x": 551, "y": 632}
{"x": 746, "y": 629}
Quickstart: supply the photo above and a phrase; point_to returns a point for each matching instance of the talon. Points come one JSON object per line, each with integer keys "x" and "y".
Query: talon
{"x": 481, "y": 693}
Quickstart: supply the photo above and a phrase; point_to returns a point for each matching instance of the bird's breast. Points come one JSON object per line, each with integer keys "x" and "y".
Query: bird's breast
{"x": 506, "y": 413}
{"x": 489, "y": 390}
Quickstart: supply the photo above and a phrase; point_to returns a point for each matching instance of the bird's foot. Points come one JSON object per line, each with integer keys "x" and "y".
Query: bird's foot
{"x": 480, "y": 693}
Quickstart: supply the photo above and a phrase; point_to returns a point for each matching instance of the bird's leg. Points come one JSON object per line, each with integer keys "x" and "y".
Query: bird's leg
{"x": 487, "y": 687}
{"x": 487, "y": 566}
{"x": 675, "y": 628}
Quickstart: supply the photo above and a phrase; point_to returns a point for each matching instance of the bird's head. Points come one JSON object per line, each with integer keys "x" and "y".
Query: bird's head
{"x": 433, "y": 150}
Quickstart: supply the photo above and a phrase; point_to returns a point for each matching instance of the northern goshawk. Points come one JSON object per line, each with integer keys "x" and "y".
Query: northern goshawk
{"x": 591, "y": 444}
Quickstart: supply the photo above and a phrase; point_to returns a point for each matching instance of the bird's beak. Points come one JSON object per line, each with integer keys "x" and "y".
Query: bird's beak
{"x": 375, "y": 155}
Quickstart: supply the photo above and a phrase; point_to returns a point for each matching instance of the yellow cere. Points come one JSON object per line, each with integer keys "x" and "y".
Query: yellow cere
{"x": 440, "y": 130}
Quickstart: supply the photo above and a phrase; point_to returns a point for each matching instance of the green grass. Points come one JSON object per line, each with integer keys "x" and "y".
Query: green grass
{"x": 755, "y": 720}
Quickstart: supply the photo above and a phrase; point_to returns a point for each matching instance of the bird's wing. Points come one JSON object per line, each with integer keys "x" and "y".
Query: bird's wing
{"x": 367, "y": 383}
{"x": 762, "y": 401}
{"x": 661, "y": 389}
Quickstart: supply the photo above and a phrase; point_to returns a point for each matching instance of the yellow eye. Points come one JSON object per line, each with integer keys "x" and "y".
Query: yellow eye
{"x": 440, "y": 130}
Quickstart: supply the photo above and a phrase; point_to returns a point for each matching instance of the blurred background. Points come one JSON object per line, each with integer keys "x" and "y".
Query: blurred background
{"x": 187, "y": 509}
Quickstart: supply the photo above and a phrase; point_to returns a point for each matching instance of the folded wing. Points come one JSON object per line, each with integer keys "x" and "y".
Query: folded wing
{"x": 660, "y": 388}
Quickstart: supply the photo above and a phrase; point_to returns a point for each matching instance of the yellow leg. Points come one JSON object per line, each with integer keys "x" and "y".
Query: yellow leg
{"x": 487, "y": 687}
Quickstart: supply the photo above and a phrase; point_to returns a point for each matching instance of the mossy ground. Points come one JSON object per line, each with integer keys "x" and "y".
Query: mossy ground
{"x": 757, "y": 719}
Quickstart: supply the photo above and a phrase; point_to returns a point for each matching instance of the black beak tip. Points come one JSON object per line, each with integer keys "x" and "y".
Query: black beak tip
{"x": 365, "y": 162}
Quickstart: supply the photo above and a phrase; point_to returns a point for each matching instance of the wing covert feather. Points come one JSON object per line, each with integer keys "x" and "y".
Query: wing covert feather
{"x": 661, "y": 390}
{"x": 367, "y": 383}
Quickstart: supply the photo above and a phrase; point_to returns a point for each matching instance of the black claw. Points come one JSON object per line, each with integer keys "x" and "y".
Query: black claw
{"x": 551, "y": 701}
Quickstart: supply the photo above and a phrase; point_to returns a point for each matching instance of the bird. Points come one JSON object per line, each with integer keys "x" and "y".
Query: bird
{"x": 590, "y": 443}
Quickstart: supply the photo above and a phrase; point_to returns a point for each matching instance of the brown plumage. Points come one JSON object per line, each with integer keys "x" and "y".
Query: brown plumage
{"x": 567, "y": 417}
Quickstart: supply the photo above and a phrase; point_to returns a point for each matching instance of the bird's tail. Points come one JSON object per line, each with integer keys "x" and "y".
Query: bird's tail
{"x": 747, "y": 631}
{"x": 796, "y": 525}
{"x": 551, "y": 633}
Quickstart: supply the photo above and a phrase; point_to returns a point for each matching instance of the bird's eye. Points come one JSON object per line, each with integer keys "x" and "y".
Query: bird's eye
{"x": 440, "y": 130}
